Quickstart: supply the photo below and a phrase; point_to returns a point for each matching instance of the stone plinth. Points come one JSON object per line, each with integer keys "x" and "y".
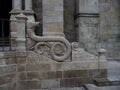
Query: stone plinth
{"x": 21, "y": 39}
{"x": 40, "y": 72}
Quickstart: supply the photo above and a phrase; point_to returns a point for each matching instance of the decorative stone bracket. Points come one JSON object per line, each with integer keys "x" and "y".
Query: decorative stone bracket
{"x": 59, "y": 47}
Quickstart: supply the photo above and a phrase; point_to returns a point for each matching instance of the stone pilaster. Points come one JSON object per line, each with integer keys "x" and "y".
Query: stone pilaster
{"x": 87, "y": 20}
{"x": 28, "y": 4}
{"x": 21, "y": 39}
{"x": 53, "y": 17}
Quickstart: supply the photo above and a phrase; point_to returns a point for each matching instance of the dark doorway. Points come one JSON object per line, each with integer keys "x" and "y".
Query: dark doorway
{"x": 5, "y": 8}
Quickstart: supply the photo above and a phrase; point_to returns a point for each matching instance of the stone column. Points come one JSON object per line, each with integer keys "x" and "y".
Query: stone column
{"x": 30, "y": 18}
{"x": 52, "y": 17}
{"x": 28, "y": 4}
{"x": 17, "y": 4}
{"x": 28, "y": 10}
{"x": 87, "y": 20}
{"x": 21, "y": 39}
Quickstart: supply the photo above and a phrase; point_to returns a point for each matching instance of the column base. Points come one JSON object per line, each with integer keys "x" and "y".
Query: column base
{"x": 30, "y": 12}
{"x": 15, "y": 11}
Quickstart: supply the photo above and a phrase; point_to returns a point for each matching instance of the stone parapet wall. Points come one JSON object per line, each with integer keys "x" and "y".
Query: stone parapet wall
{"x": 110, "y": 27}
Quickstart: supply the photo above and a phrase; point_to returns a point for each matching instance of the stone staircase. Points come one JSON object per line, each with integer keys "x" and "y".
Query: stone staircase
{"x": 110, "y": 83}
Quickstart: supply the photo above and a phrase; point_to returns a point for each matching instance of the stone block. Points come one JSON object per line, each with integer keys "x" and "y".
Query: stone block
{"x": 51, "y": 83}
{"x": 8, "y": 86}
{"x": 21, "y": 60}
{"x": 2, "y": 61}
{"x": 49, "y": 75}
{"x": 71, "y": 82}
{"x": 58, "y": 74}
{"x": 34, "y": 76}
{"x": 9, "y": 54}
{"x": 102, "y": 82}
{"x": 1, "y": 55}
{"x": 88, "y": 6}
{"x": 80, "y": 65}
{"x": 75, "y": 73}
{"x": 10, "y": 61}
{"x": 98, "y": 73}
{"x": 13, "y": 42}
{"x": 38, "y": 67}
{"x": 52, "y": 17}
{"x": 9, "y": 78}
{"x": 35, "y": 59}
{"x": 7, "y": 69}
{"x": 21, "y": 67}
{"x": 28, "y": 85}
{"x": 44, "y": 75}
{"x": 22, "y": 76}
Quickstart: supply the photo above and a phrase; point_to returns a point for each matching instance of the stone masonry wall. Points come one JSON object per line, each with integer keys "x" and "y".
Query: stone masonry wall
{"x": 39, "y": 72}
{"x": 99, "y": 32}
{"x": 110, "y": 27}
{"x": 8, "y": 71}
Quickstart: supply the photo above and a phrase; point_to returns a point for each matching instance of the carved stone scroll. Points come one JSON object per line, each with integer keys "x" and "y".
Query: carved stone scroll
{"x": 59, "y": 47}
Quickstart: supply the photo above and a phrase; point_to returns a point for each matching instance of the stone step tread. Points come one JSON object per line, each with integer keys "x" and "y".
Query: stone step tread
{"x": 114, "y": 78}
{"x": 72, "y": 88}
{"x": 106, "y": 82}
{"x": 94, "y": 87}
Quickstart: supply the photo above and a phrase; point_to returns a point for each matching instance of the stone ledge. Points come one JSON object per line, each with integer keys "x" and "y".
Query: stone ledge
{"x": 106, "y": 82}
{"x": 94, "y": 87}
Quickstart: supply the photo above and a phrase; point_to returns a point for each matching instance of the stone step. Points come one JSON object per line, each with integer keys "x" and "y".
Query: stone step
{"x": 72, "y": 88}
{"x": 107, "y": 82}
{"x": 113, "y": 77}
{"x": 94, "y": 87}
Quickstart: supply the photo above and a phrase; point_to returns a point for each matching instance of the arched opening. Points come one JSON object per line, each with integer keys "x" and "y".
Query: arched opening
{"x": 5, "y": 8}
